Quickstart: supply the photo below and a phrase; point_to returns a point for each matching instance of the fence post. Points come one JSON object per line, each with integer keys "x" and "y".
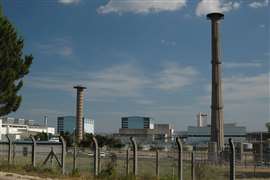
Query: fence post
{"x": 261, "y": 147}
{"x": 51, "y": 158}
{"x": 13, "y": 153}
{"x": 241, "y": 152}
{"x": 99, "y": 160}
{"x": 127, "y": 162}
{"x": 157, "y": 163}
{"x": 192, "y": 165}
{"x": 74, "y": 166}
{"x": 33, "y": 151}
{"x": 135, "y": 165}
{"x": 232, "y": 160}
{"x": 95, "y": 155}
{"x": 180, "y": 158}
{"x": 63, "y": 154}
{"x": 9, "y": 149}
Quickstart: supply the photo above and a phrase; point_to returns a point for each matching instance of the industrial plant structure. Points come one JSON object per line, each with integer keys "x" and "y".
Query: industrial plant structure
{"x": 18, "y": 128}
{"x": 68, "y": 124}
{"x": 144, "y": 130}
{"x": 217, "y": 122}
{"x": 79, "y": 113}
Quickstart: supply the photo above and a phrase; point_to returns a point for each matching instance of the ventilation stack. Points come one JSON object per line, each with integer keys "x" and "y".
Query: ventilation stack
{"x": 217, "y": 122}
{"x": 79, "y": 113}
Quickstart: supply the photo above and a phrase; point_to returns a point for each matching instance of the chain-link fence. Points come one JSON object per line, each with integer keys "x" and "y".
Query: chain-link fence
{"x": 196, "y": 164}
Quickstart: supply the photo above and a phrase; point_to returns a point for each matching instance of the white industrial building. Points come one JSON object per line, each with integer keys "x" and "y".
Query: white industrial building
{"x": 18, "y": 127}
{"x": 201, "y": 119}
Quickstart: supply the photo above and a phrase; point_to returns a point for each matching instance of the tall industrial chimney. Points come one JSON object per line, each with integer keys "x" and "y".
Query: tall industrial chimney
{"x": 45, "y": 121}
{"x": 217, "y": 122}
{"x": 79, "y": 113}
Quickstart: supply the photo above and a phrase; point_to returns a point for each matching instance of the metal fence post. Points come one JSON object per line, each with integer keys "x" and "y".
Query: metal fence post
{"x": 99, "y": 160}
{"x": 261, "y": 147}
{"x": 51, "y": 158}
{"x": 232, "y": 160}
{"x": 63, "y": 154}
{"x": 192, "y": 165}
{"x": 74, "y": 165}
{"x": 13, "y": 153}
{"x": 180, "y": 158}
{"x": 135, "y": 165}
{"x": 95, "y": 143}
{"x": 33, "y": 151}
{"x": 9, "y": 149}
{"x": 157, "y": 163}
{"x": 127, "y": 162}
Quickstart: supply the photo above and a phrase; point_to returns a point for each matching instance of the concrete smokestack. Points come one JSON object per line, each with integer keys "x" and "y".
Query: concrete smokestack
{"x": 79, "y": 113}
{"x": 217, "y": 122}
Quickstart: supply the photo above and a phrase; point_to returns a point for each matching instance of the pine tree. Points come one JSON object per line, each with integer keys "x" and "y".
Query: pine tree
{"x": 13, "y": 66}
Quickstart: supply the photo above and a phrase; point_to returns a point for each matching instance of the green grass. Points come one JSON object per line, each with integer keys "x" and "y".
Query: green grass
{"x": 146, "y": 169}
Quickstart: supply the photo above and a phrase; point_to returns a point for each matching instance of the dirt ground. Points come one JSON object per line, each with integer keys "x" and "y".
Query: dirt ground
{"x": 14, "y": 176}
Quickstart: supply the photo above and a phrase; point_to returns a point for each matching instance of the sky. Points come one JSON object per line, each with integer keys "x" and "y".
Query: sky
{"x": 144, "y": 58}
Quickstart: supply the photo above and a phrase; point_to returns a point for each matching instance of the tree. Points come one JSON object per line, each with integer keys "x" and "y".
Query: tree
{"x": 268, "y": 126}
{"x": 102, "y": 141}
{"x": 13, "y": 66}
{"x": 68, "y": 138}
{"x": 41, "y": 136}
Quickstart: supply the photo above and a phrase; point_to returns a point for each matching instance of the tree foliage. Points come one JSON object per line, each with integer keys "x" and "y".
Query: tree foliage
{"x": 13, "y": 66}
{"x": 102, "y": 141}
{"x": 268, "y": 126}
{"x": 68, "y": 138}
{"x": 41, "y": 136}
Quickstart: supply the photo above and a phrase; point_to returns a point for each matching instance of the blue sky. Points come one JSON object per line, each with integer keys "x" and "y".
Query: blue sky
{"x": 147, "y": 58}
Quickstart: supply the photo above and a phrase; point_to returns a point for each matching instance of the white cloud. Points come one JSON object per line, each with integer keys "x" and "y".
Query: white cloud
{"x": 262, "y": 26}
{"x": 243, "y": 89}
{"x": 174, "y": 77}
{"x": 140, "y": 6}
{"x": 69, "y": 1}
{"x": 208, "y": 6}
{"x": 122, "y": 80}
{"x": 246, "y": 87}
{"x": 242, "y": 65}
{"x": 259, "y": 4}
{"x": 168, "y": 43}
{"x": 144, "y": 102}
{"x": 59, "y": 46}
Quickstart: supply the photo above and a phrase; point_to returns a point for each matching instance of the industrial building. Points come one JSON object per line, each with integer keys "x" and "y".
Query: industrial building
{"x": 68, "y": 124}
{"x": 144, "y": 129}
{"x": 163, "y": 131}
{"x": 18, "y": 128}
{"x": 137, "y": 122}
{"x": 201, "y": 119}
{"x": 201, "y": 135}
